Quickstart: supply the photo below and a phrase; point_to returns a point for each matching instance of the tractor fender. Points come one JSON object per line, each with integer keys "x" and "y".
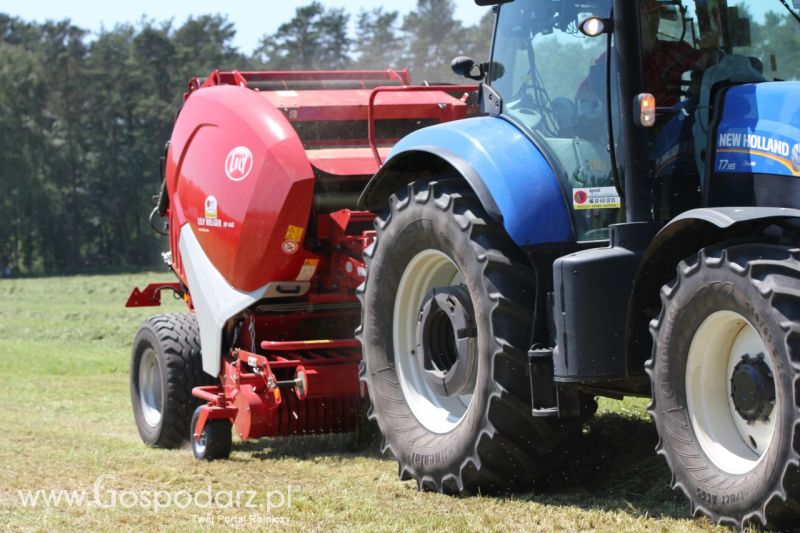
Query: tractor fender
{"x": 681, "y": 237}
{"x": 507, "y": 172}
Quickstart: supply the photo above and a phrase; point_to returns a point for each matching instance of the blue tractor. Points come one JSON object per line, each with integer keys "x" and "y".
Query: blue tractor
{"x": 623, "y": 219}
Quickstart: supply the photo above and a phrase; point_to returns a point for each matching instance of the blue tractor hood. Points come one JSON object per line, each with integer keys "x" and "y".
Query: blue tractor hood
{"x": 759, "y": 131}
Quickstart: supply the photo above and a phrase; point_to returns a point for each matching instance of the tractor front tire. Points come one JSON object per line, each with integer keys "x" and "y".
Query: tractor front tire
{"x": 725, "y": 372}
{"x": 165, "y": 366}
{"x": 447, "y": 310}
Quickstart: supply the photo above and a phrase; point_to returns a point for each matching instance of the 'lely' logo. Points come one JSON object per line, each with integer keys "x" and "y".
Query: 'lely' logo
{"x": 239, "y": 163}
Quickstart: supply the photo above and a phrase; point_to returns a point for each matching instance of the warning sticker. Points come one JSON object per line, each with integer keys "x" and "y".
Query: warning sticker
{"x": 289, "y": 247}
{"x": 595, "y": 198}
{"x": 307, "y": 270}
{"x": 293, "y": 233}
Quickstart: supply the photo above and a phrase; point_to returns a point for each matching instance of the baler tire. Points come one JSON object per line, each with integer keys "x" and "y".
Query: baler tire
{"x": 216, "y": 441}
{"x": 496, "y": 446}
{"x": 172, "y": 340}
{"x": 735, "y": 466}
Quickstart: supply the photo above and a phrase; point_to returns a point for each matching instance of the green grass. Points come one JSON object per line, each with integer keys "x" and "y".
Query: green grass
{"x": 65, "y": 420}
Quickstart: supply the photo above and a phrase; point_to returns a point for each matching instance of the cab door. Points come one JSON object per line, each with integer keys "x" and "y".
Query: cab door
{"x": 554, "y": 83}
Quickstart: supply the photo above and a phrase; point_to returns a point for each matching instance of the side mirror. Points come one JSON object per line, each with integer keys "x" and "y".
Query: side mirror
{"x": 465, "y": 66}
{"x": 496, "y": 70}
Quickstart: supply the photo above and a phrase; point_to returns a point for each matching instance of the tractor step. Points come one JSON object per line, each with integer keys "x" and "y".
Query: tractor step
{"x": 548, "y": 397}
{"x": 543, "y": 388}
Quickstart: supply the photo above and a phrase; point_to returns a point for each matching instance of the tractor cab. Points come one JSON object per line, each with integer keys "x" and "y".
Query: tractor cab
{"x": 555, "y": 67}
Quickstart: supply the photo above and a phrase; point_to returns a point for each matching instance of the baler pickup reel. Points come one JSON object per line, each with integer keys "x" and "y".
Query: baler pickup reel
{"x": 258, "y": 403}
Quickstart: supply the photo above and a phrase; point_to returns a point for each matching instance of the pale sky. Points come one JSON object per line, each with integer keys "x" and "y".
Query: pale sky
{"x": 252, "y": 19}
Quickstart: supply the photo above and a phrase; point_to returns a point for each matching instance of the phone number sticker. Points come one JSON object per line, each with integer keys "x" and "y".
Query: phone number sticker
{"x": 595, "y": 198}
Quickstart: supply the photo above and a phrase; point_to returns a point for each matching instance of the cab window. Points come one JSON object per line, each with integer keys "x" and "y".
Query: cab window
{"x": 553, "y": 81}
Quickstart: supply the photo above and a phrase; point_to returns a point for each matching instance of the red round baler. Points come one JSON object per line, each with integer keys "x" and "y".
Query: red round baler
{"x": 262, "y": 177}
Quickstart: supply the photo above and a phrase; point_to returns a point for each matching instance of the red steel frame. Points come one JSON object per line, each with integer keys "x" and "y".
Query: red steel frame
{"x": 406, "y": 89}
{"x": 235, "y": 77}
{"x": 150, "y": 296}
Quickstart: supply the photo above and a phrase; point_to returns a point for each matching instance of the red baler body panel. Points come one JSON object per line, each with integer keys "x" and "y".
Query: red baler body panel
{"x": 244, "y": 206}
{"x": 240, "y": 173}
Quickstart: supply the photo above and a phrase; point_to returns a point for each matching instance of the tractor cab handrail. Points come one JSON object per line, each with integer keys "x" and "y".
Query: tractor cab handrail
{"x": 404, "y": 88}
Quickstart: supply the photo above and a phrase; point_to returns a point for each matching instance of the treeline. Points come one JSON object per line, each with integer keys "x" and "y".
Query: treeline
{"x": 84, "y": 118}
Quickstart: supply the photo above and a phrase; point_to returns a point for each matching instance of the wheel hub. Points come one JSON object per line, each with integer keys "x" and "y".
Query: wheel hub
{"x": 200, "y": 443}
{"x": 439, "y": 411}
{"x": 150, "y": 391}
{"x": 446, "y": 340}
{"x": 753, "y": 389}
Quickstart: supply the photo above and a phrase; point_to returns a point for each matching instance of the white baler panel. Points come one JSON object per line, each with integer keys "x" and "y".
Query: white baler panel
{"x": 214, "y": 300}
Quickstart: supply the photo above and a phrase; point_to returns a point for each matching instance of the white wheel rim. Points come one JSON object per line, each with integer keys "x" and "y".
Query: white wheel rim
{"x": 729, "y": 441}
{"x": 426, "y": 270}
{"x": 150, "y": 391}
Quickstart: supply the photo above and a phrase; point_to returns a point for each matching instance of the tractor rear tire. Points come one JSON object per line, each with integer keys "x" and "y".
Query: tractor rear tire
{"x": 165, "y": 366}
{"x": 479, "y": 436}
{"x": 724, "y": 374}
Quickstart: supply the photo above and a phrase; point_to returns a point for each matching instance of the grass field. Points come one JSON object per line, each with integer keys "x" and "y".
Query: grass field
{"x": 65, "y": 423}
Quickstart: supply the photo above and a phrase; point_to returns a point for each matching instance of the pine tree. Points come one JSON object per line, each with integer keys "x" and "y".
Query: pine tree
{"x": 432, "y": 34}
{"x": 377, "y": 44}
{"x": 315, "y": 38}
